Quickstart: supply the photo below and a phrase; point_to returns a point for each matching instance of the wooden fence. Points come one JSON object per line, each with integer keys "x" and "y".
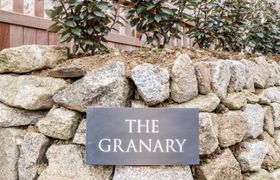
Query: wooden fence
{"x": 24, "y": 22}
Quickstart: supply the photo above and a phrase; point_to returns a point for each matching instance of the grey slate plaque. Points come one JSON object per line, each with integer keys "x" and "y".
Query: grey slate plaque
{"x": 142, "y": 136}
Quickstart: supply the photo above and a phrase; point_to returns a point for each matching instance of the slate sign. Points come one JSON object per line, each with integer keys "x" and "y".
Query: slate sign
{"x": 142, "y": 136}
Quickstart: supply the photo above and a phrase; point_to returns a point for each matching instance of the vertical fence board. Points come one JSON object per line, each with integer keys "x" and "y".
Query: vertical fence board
{"x": 39, "y": 8}
{"x": 16, "y": 35}
{"x": 53, "y": 39}
{"x": 42, "y": 37}
{"x": 18, "y": 6}
{"x": 5, "y": 35}
{"x": 128, "y": 30}
{"x": 29, "y": 35}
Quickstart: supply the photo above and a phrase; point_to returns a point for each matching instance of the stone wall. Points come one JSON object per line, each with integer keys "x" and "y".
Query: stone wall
{"x": 42, "y": 117}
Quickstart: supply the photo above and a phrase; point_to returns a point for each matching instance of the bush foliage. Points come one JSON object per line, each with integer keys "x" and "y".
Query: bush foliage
{"x": 236, "y": 25}
{"x": 85, "y": 22}
{"x": 158, "y": 20}
{"x": 230, "y": 25}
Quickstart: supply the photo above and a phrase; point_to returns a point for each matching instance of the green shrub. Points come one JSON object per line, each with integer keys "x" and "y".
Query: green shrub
{"x": 230, "y": 25}
{"x": 263, "y": 28}
{"x": 86, "y": 22}
{"x": 219, "y": 25}
{"x": 158, "y": 20}
{"x": 235, "y": 25}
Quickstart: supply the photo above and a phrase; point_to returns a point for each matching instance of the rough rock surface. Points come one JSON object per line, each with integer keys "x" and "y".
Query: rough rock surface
{"x": 259, "y": 72}
{"x": 260, "y": 175}
{"x": 153, "y": 173}
{"x": 208, "y": 130}
{"x": 205, "y": 103}
{"x": 277, "y": 69}
{"x": 138, "y": 104}
{"x": 238, "y": 76}
{"x": 220, "y": 78}
{"x": 59, "y": 123}
{"x": 273, "y": 69}
{"x": 10, "y": 116}
{"x": 9, "y": 153}
{"x": 184, "y": 83}
{"x": 224, "y": 166}
{"x": 270, "y": 70}
{"x": 152, "y": 83}
{"x": 73, "y": 72}
{"x": 251, "y": 97}
{"x": 250, "y": 155}
{"x": 249, "y": 84}
{"x": 272, "y": 93}
{"x": 32, "y": 152}
{"x": 276, "y": 114}
{"x": 66, "y": 162}
{"x": 104, "y": 87}
{"x": 203, "y": 78}
{"x": 235, "y": 101}
{"x": 29, "y": 92}
{"x": 30, "y": 57}
{"x": 272, "y": 158}
{"x": 232, "y": 128}
{"x": 80, "y": 135}
{"x": 277, "y": 137}
{"x": 268, "y": 120}
{"x": 276, "y": 174}
{"x": 255, "y": 120}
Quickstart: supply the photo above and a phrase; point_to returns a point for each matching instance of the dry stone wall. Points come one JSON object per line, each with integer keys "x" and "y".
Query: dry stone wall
{"x": 42, "y": 118}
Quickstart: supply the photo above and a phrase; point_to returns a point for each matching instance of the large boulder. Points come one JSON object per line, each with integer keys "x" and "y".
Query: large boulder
{"x": 232, "y": 128}
{"x": 203, "y": 78}
{"x": 67, "y": 162}
{"x": 31, "y": 57}
{"x": 9, "y": 153}
{"x": 208, "y": 130}
{"x": 238, "y": 76}
{"x": 250, "y": 155}
{"x": 272, "y": 158}
{"x": 268, "y": 120}
{"x": 235, "y": 101}
{"x": 223, "y": 166}
{"x": 29, "y": 92}
{"x": 249, "y": 83}
{"x": 277, "y": 137}
{"x": 276, "y": 114}
{"x": 273, "y": 70}
{"x": 254, "y": 116}
{"x": 251, "y": 97}
{"x": 152, "y": 83}
{"x": 259, "y": 72}
{"x": 276, "y": 174}
{"x": 138, "y": 104}
{"x": 10, "y": 116}
{"x": 276, "y": 66}
{"x": 205, "y": 103}
{"x": 67, "y": 72}
{"x": 270, "y": 69}
{"x": 153, "y": 173}
{"x": 220, "y": 77}
{"x": 184, "y": 84}
{"x": 103, "y": 87}
{"x": 259, "y": 175}
{"x": 59, "y": 123}
{"x": 32, "y": 154}
{"x": 272, "y": 93}
{"x": 80, "y": 135}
